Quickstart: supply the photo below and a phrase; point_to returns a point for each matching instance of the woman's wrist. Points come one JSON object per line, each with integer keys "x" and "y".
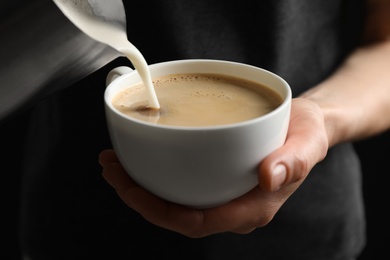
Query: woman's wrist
{"x": 335, "y": 121}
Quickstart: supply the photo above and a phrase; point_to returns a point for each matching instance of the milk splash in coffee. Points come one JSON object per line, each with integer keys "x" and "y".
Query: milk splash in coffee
{"x": 105, "y": 21}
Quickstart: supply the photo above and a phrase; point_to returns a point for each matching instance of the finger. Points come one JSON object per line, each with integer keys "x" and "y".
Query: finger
{"x": 181, "y": 219}
{"x": 117, "y": 177}
{"x": 171, "y": 216}
{"x": 154, "y": 209}
{"x": 242, "y": 215}
{"x": 106, "y": 157}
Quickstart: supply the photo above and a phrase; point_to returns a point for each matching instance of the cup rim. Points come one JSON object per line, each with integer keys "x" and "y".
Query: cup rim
{"x": 282, "y": 106}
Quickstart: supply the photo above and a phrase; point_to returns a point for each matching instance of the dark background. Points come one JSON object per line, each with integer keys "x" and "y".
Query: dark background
{"x": 375, "y": 157}
{"x": 374, "y": 153}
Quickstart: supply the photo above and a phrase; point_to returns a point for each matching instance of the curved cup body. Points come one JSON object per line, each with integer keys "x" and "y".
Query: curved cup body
{"x": 199, "y": 167}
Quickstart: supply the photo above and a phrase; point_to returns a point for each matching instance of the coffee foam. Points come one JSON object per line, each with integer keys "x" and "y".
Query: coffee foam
{"x": 199, "y": 100}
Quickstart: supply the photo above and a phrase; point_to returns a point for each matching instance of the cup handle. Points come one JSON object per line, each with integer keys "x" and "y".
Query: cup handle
{"x": 116, "y": 73}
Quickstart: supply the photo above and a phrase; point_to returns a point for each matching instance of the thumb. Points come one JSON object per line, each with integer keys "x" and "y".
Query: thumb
{"x": 306, "y": 144}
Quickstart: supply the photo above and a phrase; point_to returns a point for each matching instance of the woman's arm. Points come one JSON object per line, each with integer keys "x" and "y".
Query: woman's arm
{"x": 356, "y": 99}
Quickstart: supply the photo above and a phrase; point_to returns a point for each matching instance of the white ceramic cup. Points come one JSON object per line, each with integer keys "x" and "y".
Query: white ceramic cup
{"x": 199, "y": 167}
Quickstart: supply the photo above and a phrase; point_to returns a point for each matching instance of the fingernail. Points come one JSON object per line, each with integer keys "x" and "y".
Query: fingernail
{"x": 279, "y": 176}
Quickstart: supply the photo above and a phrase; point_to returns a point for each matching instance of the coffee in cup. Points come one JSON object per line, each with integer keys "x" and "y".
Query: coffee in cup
{"x": 199, "y": 100}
